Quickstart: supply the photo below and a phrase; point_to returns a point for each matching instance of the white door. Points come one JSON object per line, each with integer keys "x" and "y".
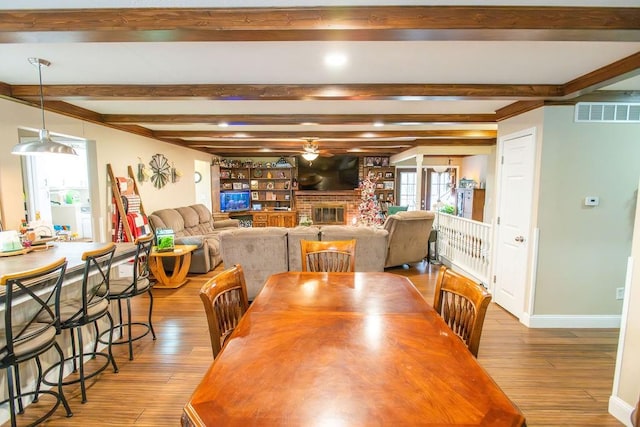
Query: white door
{"x": 514, "y": 216}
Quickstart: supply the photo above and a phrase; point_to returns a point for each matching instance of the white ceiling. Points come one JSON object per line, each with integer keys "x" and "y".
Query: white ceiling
{"x": 301, "y": 62}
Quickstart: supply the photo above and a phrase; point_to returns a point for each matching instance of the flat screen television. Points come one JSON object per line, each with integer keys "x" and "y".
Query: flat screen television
{"x": 339, "y": 172}
{"x": 232, "y": 201}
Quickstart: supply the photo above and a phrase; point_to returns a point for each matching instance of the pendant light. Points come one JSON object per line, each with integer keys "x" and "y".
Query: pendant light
{"x": 44, "y": 144}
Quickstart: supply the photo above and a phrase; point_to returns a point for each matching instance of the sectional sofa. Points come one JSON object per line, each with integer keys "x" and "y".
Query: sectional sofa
{"x": 265, "y": 251}
{"x": 269, "y": 250}
{"x": 194, "y": 225}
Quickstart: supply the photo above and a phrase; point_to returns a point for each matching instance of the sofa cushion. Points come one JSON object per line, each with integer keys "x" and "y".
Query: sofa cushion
{"x": 205, "y": 219}
{"x": 168, "y": 218}
{"x": 260, "y": 251}
{"x": 294, "y": 236}
{"x": 191, "y": 220}
{"x": 371, "y": 244}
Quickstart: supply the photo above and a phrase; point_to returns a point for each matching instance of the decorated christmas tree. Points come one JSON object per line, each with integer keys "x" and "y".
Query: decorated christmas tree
{"x": 369, "y": 211}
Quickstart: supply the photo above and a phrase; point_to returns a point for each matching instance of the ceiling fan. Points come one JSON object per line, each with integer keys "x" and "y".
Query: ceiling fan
{"x": 311, "y": 150}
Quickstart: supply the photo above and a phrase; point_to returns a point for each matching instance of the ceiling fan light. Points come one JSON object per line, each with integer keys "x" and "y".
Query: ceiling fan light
{"x": 440, "y": 169}
{"x": 310, "y": 156}
{"x": 44, "y": 145}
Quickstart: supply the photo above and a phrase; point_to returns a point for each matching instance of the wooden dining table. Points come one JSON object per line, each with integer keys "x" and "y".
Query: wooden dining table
{"x": 346, "y": 349}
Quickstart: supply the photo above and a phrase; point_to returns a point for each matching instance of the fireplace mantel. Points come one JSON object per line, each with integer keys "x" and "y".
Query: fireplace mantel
{"x": 305, "y": 200}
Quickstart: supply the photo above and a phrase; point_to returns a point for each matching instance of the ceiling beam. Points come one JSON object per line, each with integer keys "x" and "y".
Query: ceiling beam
{"x": 246, "y": 92}
{"x": 297, "y": 119}
{"x": 617, "y": 71}
{"x": 391, "y": 23}
{"x": 362, "y": 136}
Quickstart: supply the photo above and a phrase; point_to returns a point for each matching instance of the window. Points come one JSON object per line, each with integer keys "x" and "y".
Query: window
{"x": 407, "y": 189}
{"x": 440, "y": 189}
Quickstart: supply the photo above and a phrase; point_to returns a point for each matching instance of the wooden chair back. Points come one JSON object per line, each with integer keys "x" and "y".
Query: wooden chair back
{"x": 225, "y": 300}
{"x": 463, "y": 304}
{"x": 328, "y": 256}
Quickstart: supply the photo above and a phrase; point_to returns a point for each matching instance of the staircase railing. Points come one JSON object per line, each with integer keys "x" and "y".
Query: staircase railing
{"x": 465, "y": 244}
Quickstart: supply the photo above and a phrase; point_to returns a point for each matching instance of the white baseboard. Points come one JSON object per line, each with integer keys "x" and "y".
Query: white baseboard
{"x": 621, "y": 410}
{"x": 571, "y": 321}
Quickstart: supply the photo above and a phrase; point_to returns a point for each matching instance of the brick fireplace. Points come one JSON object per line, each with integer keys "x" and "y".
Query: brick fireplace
{"x": 342, "y": 206}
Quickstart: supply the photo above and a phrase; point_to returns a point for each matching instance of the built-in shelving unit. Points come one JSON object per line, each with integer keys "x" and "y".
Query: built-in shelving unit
{"x": 269, "y": 188}
{"x": 385, "y": 178}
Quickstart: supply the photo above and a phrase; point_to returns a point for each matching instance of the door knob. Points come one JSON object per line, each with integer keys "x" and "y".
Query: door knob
{"x": 520, "y": 239}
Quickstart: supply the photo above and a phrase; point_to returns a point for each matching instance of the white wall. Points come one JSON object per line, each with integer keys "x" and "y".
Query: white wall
{"x": 118, "y": 148}
{"x": 626, "y": 383}
{"x": 583, "y": 250}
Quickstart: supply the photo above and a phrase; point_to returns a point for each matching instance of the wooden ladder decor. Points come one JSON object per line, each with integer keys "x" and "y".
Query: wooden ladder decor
{"x": 117, "y": 198}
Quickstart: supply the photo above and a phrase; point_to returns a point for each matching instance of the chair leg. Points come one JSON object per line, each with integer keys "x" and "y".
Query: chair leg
{"x": 81, "y": 363}
{"x": 113, "y": 359}
{"x": 12, "y": 403}
{"x": 95, "y": 344}
{"x": 153, "y": 333}
{"x": 36, "y": 394}
{"x": 73, "y": 349}
{"x": 60, "y": 377}
{"x": 19, "y": 390}
{"x": 129, "y": 328}
{"x": 120, "y": 316}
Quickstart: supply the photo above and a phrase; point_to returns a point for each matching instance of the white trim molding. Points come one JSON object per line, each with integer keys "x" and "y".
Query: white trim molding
{"x": 621, "y": 410}
{"x": 604, "y": 321}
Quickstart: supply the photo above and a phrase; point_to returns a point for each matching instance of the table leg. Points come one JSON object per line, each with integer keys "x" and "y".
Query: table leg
{"x": 178, "y": 277}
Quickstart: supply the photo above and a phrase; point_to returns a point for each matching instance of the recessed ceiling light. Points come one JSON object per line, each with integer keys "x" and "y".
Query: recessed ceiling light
{"x": 378, "y": 124}
{"x": 223, "y": 124}
{"x": 308, "y": 124}
{"x": 368, "y": 135}
{"x": 335, "y": 60}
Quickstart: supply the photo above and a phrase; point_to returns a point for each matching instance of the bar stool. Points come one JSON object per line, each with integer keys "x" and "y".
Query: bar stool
{"x": 130, "y": 287}
{"x": 91, "y": 306}
{"x": 27, "y": 337}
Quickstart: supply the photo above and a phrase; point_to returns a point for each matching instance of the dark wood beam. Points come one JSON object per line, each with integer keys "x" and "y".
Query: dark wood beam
{"x": 361, "y": 136}
{"x": 620, "y": 70}
{"x": 517, "y": 108}
{"x": 297, "y": 119}
{"x": 5, "y": 89}
{"x": 288, "y": 91}
{"x": 320, "y": 23}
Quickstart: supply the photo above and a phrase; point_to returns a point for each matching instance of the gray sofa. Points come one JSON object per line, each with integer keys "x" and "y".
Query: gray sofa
{"x": 269, "y": 250}
{"x": 194, "y": 225}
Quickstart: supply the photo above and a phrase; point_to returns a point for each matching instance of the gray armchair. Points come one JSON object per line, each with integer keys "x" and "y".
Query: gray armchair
{"x": 408, "y": 236}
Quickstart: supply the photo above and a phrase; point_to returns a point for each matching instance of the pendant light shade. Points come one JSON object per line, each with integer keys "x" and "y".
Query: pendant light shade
{"x": 44, "y": 144}
{"x": 310, "y": 156}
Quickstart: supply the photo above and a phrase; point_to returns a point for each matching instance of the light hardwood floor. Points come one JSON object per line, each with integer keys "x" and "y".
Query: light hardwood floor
{"x": 557, "y": 377}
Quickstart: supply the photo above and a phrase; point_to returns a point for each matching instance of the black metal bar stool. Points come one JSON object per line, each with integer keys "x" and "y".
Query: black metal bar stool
{"x": 89, "y": 307}
{"x": 27, "y": 337}
{"x": 129, "y": 287}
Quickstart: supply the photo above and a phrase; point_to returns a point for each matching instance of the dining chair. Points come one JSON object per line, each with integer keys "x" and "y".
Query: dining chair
{"x": 328, "y": 256}
{"x": 224, "y": 297}
{"x": 86, "y": 309}
{"x": 127, "y": 288}
{"x": 28, "y": 336}
{"x": 463, "y": 304}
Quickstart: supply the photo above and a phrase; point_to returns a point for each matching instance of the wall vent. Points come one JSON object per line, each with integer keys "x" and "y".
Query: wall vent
{"x": 609, "y": 112}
